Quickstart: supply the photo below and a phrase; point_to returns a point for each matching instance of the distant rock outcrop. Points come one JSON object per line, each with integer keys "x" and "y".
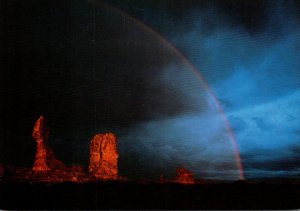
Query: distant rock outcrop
{"x": 45, "y": 159}
{"x": 184, "y": 176}
{"x": 104, "y": 157}
{"x": 162, "y": 179}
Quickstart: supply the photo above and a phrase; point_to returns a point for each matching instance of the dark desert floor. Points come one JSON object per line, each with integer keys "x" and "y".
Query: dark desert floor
{"x": 126, "y": 195}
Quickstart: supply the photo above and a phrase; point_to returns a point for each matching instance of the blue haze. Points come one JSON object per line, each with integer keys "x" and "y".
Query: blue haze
{"x": 256, "y": 76}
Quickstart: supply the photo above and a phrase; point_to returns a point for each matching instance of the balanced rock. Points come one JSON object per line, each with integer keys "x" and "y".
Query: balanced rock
{"x": 104, "y": 157}
{"x": 45, "y": 159}
{"x": 184, "y": 176}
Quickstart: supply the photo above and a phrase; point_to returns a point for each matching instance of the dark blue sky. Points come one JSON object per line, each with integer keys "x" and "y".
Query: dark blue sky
{"x": 249, "y": 53}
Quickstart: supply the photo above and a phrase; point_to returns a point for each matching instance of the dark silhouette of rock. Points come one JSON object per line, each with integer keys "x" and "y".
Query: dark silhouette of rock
{"x": 104, "y": 157}
{"x": 184, "y": 176}
{"x": 45, "y": 159}
{"x": 1, "y": 170}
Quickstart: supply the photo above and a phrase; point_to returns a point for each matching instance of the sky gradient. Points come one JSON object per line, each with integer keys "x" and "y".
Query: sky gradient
{"x": 248, "y": 52}
{"x": 89, "y": 69}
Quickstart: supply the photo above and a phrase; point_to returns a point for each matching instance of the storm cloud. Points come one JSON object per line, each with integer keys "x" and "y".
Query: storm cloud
{"x": 248, "y": 52}
{"x": 90, "y": 70}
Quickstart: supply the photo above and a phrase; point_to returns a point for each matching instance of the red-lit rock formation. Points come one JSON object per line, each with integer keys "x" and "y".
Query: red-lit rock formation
{"x": 162, "y": 179}
{"x": 75, "y": 173}
{"x": 184, "y": 176}
{"x": 104, "y": 157}
{"x": 44, "y": 159}
{"x": 69, "y": 174}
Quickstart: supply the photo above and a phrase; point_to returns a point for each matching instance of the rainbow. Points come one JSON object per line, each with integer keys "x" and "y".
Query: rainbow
{"x": 196, "y": 72}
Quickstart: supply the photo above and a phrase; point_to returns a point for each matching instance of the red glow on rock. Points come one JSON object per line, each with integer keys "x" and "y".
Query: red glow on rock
{"x": 104, "y": 157}
{"x": 184, "y": 176}
{"x": 45, "y": 159}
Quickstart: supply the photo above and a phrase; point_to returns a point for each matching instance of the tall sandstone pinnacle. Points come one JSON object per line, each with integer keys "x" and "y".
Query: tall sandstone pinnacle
{"x": 104, "y": 157}
{"x": 45, "y": 159}
{"x": 184, "y": 176}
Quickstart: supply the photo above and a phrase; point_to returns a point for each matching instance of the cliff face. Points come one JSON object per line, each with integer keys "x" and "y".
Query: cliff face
{"x": 45, "y": 159}
{"x": 104, "y": 157}
{"x": 184, "y": 176}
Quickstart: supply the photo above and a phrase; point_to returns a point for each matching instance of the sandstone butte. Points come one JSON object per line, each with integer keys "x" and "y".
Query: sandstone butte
{"x": 45, "y": 159}
{"x": 184, "y": 176}
{"x": 104, "y": 157}
{"x": 103, "y": 161}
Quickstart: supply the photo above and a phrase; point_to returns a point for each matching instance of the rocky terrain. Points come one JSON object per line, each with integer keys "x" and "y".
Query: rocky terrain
{"x": 49, "y": 184}
{"x": 103, "y": 163}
